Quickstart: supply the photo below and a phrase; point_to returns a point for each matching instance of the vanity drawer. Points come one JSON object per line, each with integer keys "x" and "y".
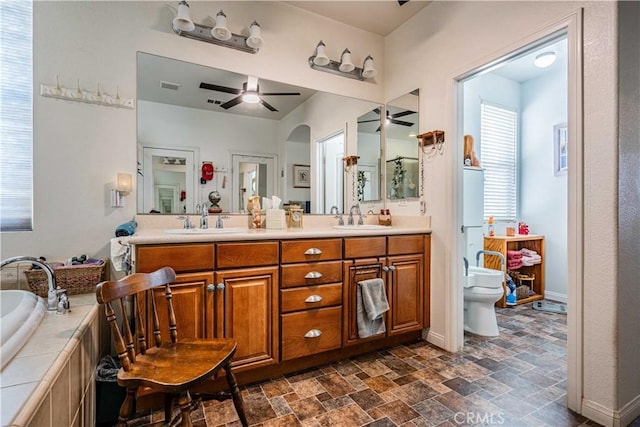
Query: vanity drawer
{"x": 411, "y": 244}
{"x": 311, "y": 250}
{"x": 232, "y": 255}
{"x": 181, "y": 258}
{"x": 311, "y": 331}
{"x": 362, "y": 247}
{"x": 311, "y": 274}
{"x": 307, "y": 297}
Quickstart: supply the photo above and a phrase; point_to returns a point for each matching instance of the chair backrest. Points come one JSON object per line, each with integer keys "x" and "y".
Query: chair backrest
{"x": 131, "y": 285}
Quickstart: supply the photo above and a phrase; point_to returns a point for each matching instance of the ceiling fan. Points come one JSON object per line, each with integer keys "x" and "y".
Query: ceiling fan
{"x": 250, "y": 93}
{"x": 392, "y": 118}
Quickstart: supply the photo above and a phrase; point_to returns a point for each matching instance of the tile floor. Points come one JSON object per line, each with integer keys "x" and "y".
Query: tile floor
{"x": 516, "y": 379}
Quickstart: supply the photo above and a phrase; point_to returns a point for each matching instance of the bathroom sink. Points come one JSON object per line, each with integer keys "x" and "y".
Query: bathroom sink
{"x": 205, "y": 230}
{"x": 362, "y": 227}
{"x": 486, "y": 277}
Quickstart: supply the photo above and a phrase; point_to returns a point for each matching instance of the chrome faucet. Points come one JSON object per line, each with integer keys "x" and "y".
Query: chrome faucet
{"x": 204, "y": 219}
{"x": 350, "y": 219}
{"x": 466, "y": 266}
{"x": 53, "y": 294}
{"x": 187, "y": 222}
{"x": 219, "y": 223}
{"x": 334, "y": 211}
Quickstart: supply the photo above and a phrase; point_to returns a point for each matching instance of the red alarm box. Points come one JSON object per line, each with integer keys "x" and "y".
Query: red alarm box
{"x": 207, "y": 171}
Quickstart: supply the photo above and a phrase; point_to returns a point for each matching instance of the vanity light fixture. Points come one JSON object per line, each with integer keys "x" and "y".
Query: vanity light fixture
{"x": 545, "y": 59}
{"x": 218, "y": 34}
{"x": 124, "y": 186}
{"x": 345, "y": 68}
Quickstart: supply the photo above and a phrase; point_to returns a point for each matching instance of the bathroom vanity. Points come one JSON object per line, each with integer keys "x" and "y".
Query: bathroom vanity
{"x": 289, "y": 297}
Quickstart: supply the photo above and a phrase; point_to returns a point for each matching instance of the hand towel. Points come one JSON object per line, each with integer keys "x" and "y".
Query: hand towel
{"x": 514, "y": 254}
{"x": 528, "y": 252}
{"x": 126, "y": 229}
{"x": 531, "y": 260}
{"x": 371, "y": 304}
{"x": 118, "y": 255}
{"x": 514, "y": 264}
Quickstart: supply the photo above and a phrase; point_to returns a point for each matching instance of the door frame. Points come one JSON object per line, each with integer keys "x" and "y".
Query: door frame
{"x": 454, "y": 310}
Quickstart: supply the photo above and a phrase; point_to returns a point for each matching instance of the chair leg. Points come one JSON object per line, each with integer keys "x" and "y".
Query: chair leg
{"x": 128, "y": 407}
{"x": 235, "y": 393}
{"x": 184, "y": 402}
{"x": 168, "y": 408}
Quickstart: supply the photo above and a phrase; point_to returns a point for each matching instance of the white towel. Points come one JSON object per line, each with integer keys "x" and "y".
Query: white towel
{"x": 530, "y": 260}
{"x": 528, "y": 252}
{"x": 371, "y": 304}
{"x": 118, "y": 254}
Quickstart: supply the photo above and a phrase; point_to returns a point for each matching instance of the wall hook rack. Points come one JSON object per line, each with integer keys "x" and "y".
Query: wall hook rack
{"x": 80, "y": 95}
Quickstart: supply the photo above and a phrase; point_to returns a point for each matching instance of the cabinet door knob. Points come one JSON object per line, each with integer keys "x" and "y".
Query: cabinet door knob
{"x": 211, "y": 287}
{"x": 313, "y": 275}
{"x": 385, "y": 268}
{"x": 313, "y": 333}
{"x": 313, "y": 251}
{"x": 313, "y": 298}
{"x": 220, "y": 286}
{"x": 392, "y": 268}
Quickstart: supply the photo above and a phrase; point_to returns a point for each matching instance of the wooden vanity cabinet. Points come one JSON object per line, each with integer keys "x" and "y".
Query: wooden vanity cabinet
{"x": 246, "y": 301}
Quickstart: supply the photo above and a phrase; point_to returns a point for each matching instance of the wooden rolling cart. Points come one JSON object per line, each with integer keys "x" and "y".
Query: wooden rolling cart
{"x": 503, "y": 244}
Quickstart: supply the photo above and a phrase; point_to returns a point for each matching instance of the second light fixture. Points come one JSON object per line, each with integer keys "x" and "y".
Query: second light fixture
{"x": 321, "y": 62}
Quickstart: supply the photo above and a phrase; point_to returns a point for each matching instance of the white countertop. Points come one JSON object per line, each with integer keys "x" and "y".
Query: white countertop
{"x": 151, "y": 229}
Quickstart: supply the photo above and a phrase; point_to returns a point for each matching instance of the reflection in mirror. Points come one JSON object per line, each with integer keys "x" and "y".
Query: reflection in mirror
{"x": 369, "y": 150}
{"x": 401, "y": 128}
{"x": 253, "y": 176}
{"x": 184, "y": 106}
{"x": 331, "y": 172}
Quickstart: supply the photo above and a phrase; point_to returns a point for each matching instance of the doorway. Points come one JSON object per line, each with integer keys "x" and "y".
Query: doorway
{"x": 330, "y": 173}
{"x": 571, "y": 28}
{"x": 252, "y": 175}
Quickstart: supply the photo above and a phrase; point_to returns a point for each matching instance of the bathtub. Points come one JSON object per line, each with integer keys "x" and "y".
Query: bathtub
{"x": 20, "y": 315}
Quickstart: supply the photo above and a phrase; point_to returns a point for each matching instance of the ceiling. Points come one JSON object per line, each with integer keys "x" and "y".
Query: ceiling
{"x": 378, "y": 17}
{"x": 522, "y": 68}
{"x": 153, "y": 70}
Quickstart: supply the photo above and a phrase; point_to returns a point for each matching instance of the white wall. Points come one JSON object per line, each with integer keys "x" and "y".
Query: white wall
{"x": 543, "y": 196}
{"x": 79, "y": 148}
{"x": 447, "y": 39}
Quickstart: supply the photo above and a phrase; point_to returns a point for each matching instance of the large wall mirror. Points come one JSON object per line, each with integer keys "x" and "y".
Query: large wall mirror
{"x": 402, "y": 180}
{"x": 189, "y": 114}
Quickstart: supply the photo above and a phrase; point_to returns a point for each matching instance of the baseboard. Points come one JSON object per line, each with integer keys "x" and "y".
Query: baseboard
{"x": 555, "y": 296}
{"x": 435, "y": 339}
{"x": 610, "y": 418}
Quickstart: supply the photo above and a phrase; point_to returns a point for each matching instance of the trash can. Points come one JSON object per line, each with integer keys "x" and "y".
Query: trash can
{"x": 109, "y": 395}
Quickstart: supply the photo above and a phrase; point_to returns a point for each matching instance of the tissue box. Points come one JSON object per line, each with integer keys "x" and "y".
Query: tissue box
{"x": 276, "y": 219}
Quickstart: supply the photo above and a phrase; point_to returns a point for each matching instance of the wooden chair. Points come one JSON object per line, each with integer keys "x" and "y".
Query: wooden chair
{"x": 173, "y": 367}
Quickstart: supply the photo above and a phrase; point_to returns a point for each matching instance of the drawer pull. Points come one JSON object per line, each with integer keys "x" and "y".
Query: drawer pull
{"x": 313, "y": 333}
{"x": 313, "y": 298}
{"x": 220, "y": 286}
{"x": 313, "y": 251}
{"x": 313, "y": 275}
{"x": 211, "y": 287}
{"x": 385, "y": 268}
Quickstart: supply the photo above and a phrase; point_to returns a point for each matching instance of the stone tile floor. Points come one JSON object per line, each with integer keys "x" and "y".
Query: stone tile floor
{"x": 515, "y": 379}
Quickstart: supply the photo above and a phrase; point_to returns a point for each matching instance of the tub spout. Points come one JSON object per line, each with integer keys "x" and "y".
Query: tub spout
{"x": 52, "y": 294}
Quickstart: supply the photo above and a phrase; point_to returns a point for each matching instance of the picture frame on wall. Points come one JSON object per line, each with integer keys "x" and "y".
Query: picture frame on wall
{"x": 560, "y": 143}
{"x": 301, "y": 176}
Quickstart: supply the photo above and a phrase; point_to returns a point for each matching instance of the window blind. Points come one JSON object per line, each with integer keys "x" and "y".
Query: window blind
{"x": 498, "y": 140}
{"x": 16, "y": 115}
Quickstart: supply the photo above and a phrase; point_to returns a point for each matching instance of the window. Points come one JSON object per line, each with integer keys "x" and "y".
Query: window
{"x": 498, "y": 139}
{"x": 16, "y": 116}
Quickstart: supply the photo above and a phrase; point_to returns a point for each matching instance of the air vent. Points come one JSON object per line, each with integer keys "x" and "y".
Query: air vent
{"x": 214, "y": 101}
{"x": 169, "y": 85}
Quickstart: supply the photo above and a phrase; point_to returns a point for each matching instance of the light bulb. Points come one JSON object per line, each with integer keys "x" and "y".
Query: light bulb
{"x": 545, "y": 59}
{"x": 183, "y": 22}
{"x": 321, "y": 57}
{"x": 251, "y": 97}
{"x": 345, "y": 62}
{"x": 220, "y": 31}
{"x": 368, "y": 70}
{"x": 255, "y": 39}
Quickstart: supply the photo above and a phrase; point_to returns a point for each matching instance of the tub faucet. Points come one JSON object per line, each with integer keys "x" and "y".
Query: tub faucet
{"x": 466, "y": 265}
{"x": 334, "y": 211}
{"x": 53, "y": 294}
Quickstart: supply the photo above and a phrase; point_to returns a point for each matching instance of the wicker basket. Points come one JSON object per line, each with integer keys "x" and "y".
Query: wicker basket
{"x": 522, "y": 292}
{"x": 75, "y": 279}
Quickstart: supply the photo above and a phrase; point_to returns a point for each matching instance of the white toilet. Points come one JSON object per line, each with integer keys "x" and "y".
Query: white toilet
{"x": 482, "y": 288}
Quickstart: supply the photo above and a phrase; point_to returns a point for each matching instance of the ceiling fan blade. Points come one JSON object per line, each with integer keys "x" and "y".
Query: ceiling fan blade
{"x": 370, "y": 121}
{"x": 401, "y": 2}
{"x": 235, "y": 101}
{"x": 217, "y": 88}
{"x": 400, "y": 122}
{"x": 401, "y": 114}
{"x": 278, "y": 93}
{"x": 378, "y": 130}
{"x": 266, "y": 104}
{"x": 377, "y": 111}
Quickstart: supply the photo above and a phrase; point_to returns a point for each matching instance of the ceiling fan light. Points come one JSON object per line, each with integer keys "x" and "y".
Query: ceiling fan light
{"x": 545, "y": 59}
{"x": 255, "y": 39}
{"x": 321, "y": 57}
{"x": 368, "y": 69}
{"x": 251, "y": 97}
{"x": 346, "y": 65}
{"x": 220, "y": 31}
{"x": 182, "y": 21}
